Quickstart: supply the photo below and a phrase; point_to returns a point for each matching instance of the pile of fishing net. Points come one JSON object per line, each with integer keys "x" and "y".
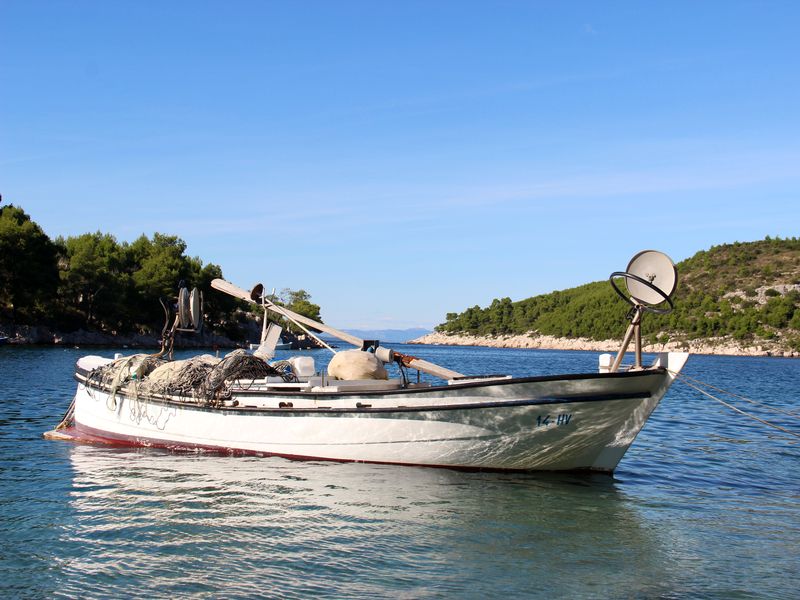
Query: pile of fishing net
{"x": 125, "y": 371}
{"x": 203, "y": 378}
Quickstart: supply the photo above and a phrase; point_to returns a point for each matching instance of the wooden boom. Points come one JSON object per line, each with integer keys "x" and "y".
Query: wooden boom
{"x": 409, "y": 361}
{"x": 237, "y": 292}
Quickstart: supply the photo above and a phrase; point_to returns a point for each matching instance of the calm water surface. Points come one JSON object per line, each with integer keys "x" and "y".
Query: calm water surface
{"x": 704, "y": 504}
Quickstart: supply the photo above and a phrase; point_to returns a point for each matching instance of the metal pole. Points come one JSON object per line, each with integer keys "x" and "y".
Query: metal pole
{"x": 633, "y": 329}
{"x": 638, "y": 338}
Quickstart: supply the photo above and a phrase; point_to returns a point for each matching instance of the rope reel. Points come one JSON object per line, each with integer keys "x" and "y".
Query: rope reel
{"x": 188, "y": 317}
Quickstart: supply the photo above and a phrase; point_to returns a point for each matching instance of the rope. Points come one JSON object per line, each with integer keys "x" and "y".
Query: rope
{"x": 731, "y": 406}
{"x": 68, "y": 418}
{"x": 284, "y": 367}
{"x": 788, "y": 413}
{"x": 318, "y": 339}
{"x": 277, "y": 309}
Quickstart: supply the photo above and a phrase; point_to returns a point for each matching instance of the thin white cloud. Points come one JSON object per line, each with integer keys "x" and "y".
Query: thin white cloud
{"x": 744, "y": 172}
{"x": 373, "y": 209}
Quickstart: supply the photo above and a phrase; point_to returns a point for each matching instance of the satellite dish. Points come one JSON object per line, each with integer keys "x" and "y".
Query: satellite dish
{"x": 184, "y": 310}
{"x": 651, "y": 278}
{"x": 196, "y": 308}
{"x": 658, "y": 269}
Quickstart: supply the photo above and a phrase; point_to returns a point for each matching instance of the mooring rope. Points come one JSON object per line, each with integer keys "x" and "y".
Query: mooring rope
{"x": 683, "y": 378}
{"x": 66, "y": 421}
{"x": 788, "y": 413}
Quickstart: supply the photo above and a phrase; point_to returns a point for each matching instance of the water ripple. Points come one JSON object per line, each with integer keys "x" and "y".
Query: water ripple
{"x": 704, "y": 504}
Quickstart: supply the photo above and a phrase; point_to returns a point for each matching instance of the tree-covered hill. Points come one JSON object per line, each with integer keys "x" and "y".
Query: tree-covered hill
{"x": 741, "y": 291}
{"x": 93, "y": 282}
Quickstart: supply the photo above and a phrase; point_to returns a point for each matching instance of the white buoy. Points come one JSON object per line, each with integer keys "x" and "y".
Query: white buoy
{"x": 355, "y": 364}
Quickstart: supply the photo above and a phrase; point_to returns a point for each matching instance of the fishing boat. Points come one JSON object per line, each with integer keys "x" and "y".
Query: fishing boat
{"x": 354, "y": 411}
{"x": 279, "y": 346}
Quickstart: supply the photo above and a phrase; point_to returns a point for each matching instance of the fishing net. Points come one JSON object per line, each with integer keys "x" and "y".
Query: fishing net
{"x": 286, "y": 370}
{"x": 122, "y": 371}
{"x": 180, "y": 377}
{"x": 237, "y": 366}
{"x": 203, "y": 378}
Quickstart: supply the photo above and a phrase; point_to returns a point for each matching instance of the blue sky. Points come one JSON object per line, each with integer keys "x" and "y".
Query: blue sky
{"x": 400, "y": 160}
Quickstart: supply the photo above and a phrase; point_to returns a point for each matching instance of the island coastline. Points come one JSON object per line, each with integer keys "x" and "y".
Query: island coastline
{"x": 714, "y": 346}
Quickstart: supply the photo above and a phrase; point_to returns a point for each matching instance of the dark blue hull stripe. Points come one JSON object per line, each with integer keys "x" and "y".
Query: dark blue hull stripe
{"x": 330, "y": 410}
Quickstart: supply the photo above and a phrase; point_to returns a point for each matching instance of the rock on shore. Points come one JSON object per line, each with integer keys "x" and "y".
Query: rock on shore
{"x": 26, "y": 334}
{"x": 722, "y": 346}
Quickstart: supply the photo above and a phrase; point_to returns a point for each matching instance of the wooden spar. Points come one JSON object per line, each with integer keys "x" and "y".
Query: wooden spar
{"x": 237, "y": 292}
{"x": 427, "y": 367}
{"x": 258, "y": 297}
{"x": 409, "y": 361}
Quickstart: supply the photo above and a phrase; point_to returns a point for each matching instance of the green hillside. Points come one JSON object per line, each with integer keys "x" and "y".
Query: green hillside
{"x": 92, "y": 282}
{"x": 742, "y": 291}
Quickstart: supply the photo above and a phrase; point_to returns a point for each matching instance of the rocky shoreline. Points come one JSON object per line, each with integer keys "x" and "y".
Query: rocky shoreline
{"x": 45, "y": 336}
{"x": 42, "y": 335}
{"x": 720, "y": 346}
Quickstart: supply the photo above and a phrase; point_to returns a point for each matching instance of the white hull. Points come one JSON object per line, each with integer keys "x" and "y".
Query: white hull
{"x": 545, "y": 423}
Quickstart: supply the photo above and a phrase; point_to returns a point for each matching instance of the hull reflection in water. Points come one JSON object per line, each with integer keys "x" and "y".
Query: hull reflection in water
{"x": 172, "y": 525}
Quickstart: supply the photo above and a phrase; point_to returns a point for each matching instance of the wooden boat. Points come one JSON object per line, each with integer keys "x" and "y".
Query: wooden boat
{"x": 583, "y": 421}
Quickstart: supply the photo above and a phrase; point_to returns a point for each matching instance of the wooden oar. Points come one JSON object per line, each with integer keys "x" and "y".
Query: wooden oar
{"x": 407, "y": 360}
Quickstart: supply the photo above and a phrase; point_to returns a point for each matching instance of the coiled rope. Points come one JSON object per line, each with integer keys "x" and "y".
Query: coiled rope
{"x": 696, "y": 383}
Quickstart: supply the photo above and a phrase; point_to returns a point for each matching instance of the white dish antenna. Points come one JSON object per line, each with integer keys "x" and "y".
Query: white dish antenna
{"x": 650, "y": 279}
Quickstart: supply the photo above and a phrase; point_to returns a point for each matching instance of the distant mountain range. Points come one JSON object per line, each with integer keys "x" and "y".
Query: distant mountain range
{"x": 389, "y": 335}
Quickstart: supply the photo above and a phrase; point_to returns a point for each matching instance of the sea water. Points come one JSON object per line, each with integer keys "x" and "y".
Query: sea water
{"x": 706, "y": 503}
